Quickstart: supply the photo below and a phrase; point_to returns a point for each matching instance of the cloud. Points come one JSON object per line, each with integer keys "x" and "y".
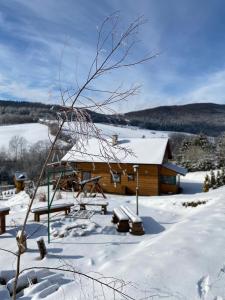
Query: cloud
{"x": 35, "y": 38}
{"x": 210, "y": 88}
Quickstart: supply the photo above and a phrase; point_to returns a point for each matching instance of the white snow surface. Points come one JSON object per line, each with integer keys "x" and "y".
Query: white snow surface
{"x": 32, "y": 132}
{"x": 19, "y": 201}
{"x": 130, "y": 131}
{"x": 3, "y": 208}
{"x": 56, "y": 204}
{"x": 125, "y": 131}
{"x": 181, "y": 255}
{"x": 145, "y": 151}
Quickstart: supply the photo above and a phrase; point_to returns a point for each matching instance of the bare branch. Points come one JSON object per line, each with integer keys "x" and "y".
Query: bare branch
{"x": 113, "y": 49}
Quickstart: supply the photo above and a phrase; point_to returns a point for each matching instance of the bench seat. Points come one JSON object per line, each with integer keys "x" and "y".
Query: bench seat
{"x": 102, "y": 204}
{"x": 121, "y": 219}
{"x": 43, "y": 209}
{"x": 135, "y": 222}
{"x": 4, "y": 210}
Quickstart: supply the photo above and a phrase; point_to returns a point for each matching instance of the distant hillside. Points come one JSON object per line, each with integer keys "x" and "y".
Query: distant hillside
{"x": 205, "y": 118}
{"x": 18, "y": 112}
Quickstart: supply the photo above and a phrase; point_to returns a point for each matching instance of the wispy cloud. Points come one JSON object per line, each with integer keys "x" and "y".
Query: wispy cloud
{"x": 40, "y": 40}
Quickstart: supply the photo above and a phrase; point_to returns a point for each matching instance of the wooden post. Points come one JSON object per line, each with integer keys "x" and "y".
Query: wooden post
{"x": 41, "y": 247}
{"x": 2, "y": 224}
{"x": 3, "y": 214}
{"x": 21, "y": 241}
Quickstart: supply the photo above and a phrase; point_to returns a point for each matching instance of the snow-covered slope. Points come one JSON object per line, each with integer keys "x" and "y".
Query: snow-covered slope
{"x": 32, "y": 132}
{"x": 181, "y": 255}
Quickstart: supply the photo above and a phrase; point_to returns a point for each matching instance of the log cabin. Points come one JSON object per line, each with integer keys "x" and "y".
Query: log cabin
{"x": 146, "y": 165}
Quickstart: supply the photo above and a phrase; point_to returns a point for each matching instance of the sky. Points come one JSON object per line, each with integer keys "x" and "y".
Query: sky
{"x": 48, "y": 45}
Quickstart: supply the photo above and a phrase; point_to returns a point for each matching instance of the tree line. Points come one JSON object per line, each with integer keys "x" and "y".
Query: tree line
{"x": 20, "y": 156}
{"x": 198, "y": 152}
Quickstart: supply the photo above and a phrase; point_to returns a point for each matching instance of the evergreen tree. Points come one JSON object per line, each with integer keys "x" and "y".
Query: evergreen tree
{"x": 206, "y": 184}
{"x": 212, "y": 179}
{"x": 223, "y": 176}
{"x": 218, "y": 179}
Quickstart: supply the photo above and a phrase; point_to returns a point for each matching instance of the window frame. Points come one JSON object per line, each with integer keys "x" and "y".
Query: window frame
{"x": 129, "y": 177}
{"x": 83, "y": 172}
{"x": 117, "y": 174}
{"x": 168, "y": 179}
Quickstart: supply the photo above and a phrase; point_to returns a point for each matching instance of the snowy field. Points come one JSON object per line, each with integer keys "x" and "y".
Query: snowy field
{"x": 130, "y": 131}
{"x": 32, "y": 132}
{"x": 181, "y": 255}
{"x": 127, "y": 131}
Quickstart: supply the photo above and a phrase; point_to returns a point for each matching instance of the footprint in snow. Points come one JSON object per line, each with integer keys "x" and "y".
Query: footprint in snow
{"x": 203, "y": 287}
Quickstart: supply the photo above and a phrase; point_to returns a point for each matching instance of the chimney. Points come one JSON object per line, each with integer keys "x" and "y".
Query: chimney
{"x": 114, "y": 139}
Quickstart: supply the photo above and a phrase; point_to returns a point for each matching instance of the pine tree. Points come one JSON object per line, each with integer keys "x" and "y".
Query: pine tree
{"x": 218, "y": 179}
{"x": 212, "y": 179}
{"x": 223, "y": 176}
{"x": 207, "y": 178}
{"x": 206, "y": 184}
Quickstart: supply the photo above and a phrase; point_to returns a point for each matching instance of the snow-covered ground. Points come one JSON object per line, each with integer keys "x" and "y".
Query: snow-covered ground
{"x": 181, "y": 255}
{"x": 32, "y": 132}
{"x": 126, "y": 131}
{"x": 130, "y": 131}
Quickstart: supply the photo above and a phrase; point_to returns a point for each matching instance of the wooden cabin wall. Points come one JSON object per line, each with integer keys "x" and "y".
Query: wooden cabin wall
{"x": 167, "y": 188}
{"x": 148, "y": 177}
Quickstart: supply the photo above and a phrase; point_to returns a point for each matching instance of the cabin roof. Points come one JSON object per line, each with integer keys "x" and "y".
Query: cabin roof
{"x": 175, "y": 168}
{"x": 145, "y": 151}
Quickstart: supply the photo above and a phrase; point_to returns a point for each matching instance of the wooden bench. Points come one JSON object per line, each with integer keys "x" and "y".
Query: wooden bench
{"x": 102, "y": 204}
{"x": 3, "y": 212}
{"x": 121, "y": 220}
{"x": 43, "y": 209}
{"x": 135, "y": 222}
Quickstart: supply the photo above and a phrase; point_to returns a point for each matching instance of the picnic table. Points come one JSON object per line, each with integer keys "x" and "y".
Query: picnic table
{"x": 126, "y": 220}
{"x": 102, "y": 203}
{"x": 4, "y": 210}
{"x": 42, "y": 209}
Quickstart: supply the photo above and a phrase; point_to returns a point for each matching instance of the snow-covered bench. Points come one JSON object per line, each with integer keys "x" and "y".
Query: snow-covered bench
{"x": 103, "y": 204}
{"x": 4, "y": 210}
{"x": 43, "y": 209}
{"x": 121, "y": 219}
{"x": 135, "y": 222}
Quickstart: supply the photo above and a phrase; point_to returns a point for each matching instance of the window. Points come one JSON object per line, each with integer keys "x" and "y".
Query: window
{"x": 86, "y": 175}
{"x": 130, "y": 177}
{"x": 116, "y": 178}
{"x": 168, "y": 179}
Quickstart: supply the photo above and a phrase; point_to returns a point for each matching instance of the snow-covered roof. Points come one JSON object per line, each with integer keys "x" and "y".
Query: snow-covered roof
{"x": 177, "y": 169}
{"x": 21, "y": 176}
{"x": 4, "y": 208}
{"x": 145, "y": 151}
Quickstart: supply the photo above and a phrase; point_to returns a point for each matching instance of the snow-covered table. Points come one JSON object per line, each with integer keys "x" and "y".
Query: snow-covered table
{"x": 4, "y": 210}
{"x": 42, "y": 209}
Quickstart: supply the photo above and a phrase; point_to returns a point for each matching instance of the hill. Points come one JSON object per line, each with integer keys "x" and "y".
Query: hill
{"x": 208, "y": 118}
{"x": 18, "y": 112}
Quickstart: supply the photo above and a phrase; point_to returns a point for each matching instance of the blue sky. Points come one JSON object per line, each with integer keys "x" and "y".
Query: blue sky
{"x": 41, "y": 38}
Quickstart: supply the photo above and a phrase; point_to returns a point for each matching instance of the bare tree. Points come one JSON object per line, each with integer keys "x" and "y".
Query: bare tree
{"x": 113, "y": 53}
{"x": 17, "y": 146}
